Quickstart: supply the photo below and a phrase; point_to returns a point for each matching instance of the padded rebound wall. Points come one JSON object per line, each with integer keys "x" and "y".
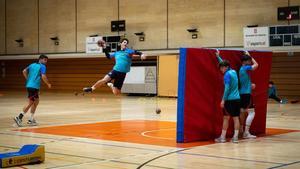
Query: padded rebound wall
{"x": 200, "y": 89}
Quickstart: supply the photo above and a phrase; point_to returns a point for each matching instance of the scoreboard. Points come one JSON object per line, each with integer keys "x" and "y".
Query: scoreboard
{"x": 272, "y": 36}
{"x": 288, "y": 35}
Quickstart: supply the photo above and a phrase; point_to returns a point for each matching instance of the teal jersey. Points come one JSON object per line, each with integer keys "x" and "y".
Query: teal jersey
{"x": 231, "y": 91}
{"x": 123, "y": 60}
{"x": 35, "y": 71}
{"x": 245, "y": 81}
{"x": 272, "y": 91}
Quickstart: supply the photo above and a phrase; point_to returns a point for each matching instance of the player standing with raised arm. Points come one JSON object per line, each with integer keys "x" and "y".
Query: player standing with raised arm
{"x": 230, "y": 100}
{"x": 248, "y": 64}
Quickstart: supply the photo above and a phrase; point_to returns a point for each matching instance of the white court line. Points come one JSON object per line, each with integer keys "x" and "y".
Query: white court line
{"x": 150, "y": 131}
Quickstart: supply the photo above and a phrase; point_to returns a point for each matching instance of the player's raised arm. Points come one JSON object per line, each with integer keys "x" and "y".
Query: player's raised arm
{"x": 254, "y": 63}
{"x": 140, "y": 54}
{"x": 102, "y": 43}
{"x": 218, "y": 56}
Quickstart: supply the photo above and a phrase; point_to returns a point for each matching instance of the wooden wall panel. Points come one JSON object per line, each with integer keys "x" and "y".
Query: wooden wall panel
{"x": 207, "y": 16}
{"x": 168, "y": 75}
{"x": 239, "y": 14}
{"x": 149, "y": 17}
{"x": 94, "y": 17}
{"x": 294, "y": 2}
{"x": 22, "y": 22}
{"x": 57, "y": 19}
{"x": 2, "y": 26}
{"x": 286, "y": 74}
{"x": 63, "y": 74}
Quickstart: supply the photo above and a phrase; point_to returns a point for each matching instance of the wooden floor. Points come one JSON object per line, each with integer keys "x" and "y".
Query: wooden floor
{"x": 106, "y": 132}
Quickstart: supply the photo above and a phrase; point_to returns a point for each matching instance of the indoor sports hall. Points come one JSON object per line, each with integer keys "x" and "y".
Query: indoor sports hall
{"x": 136, "y": 84}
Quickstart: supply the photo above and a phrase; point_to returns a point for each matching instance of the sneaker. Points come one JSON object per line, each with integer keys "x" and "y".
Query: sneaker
{"x": 32, "y": 122}
{"x": 284, "y": 101}
{"x": 18, "y": 121}
{"x": 235, "y": 140}
{"x": 248, "y": 136}
{"x": 87, "y": 89}
{"x": 220, "y": 140}
{"x": 110, "y": 85}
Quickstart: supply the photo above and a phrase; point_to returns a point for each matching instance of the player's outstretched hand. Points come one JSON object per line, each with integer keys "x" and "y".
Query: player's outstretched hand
{"x": 246, "y": 53}
{"x": 217, "y": 52}
{"x": 143, "y": 56}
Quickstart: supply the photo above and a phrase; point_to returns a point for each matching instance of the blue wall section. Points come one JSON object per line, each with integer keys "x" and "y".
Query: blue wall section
{"x": 181, "y": 92}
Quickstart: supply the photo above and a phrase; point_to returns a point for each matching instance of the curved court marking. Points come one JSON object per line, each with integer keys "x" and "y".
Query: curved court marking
{"x": 155, "y": 158}
{"x": 155, "y": 137}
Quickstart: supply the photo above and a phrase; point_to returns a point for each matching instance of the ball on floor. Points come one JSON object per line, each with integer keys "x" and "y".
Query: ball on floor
{"x": 158, "y": 110}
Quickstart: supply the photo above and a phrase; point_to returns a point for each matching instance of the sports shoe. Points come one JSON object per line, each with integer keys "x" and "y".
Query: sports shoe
{"x": 284, "y": 101}
{"x": 18, "y": 121}
{"x": 110, "y": 85}
{"x": 32, "y": 122}
{"x": 87, "y": 89}
{"x": 220, "y": 140}
{"x": 248, "y": 136}
{"x": 234, "y": 140}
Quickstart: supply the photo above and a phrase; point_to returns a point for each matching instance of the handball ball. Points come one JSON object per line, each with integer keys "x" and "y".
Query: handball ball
{"x": 158, "y": 110}
{"x": 100, "y": 43}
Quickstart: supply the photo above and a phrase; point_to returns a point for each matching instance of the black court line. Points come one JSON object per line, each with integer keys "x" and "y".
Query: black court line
{"x": 122, "y": 162}
{"x": 284, "y": 165}
{"x": 155, "y": 158}
{"x": 86, "y": 142}
{"x": 85, "y": 157}
{"x": 230, "y": 158}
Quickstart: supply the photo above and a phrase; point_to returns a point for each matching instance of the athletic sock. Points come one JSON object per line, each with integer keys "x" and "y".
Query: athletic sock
{"x": 223, "y": 135}
{"x": 249, "y": 120}
{"x": 236, "y": 133}
{"x": 247, "y": 129}
{"x": 31, "y": 117}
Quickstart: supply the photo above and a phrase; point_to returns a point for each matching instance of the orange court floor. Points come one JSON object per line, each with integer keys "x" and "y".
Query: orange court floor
{"x": 104, "y": 131}
{"x": 162, "y": 133}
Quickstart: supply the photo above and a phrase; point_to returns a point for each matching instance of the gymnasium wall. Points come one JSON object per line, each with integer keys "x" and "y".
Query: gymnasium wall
{"x": 68, "y": 75}
{"x": 2, "y": 26}
{"x": 286, "y": 74}
{"x": 63, "y": 74}
{"x": 22, "y": 22}
{"x": 164, "y": 22}
{"x": 93, "y": 17}
{"x": 57, "y": 19}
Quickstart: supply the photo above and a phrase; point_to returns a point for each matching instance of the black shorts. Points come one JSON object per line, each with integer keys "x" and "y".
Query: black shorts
{"x": 233, "y": 107}
{"x": 118, "y": 78}
{"x": 33, "y": 93}
{"x": 245, "y": 100}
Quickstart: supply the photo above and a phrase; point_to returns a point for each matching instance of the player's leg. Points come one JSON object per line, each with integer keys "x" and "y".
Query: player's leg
{"x": 274, "y": 97}
{"x": 19, "y": 118}
{"x": 234, "y": 108}
{"x": 99, "y": 83}
{"x": 118, "y": 83}
{"x": 32, "y": 120}
{"x": 222, "y": 138}
{"x": 244, "y": 105}
{"x": 236, "y": 121}
{"x": 250, "y": 117}
{"x": 243, "y": 114}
